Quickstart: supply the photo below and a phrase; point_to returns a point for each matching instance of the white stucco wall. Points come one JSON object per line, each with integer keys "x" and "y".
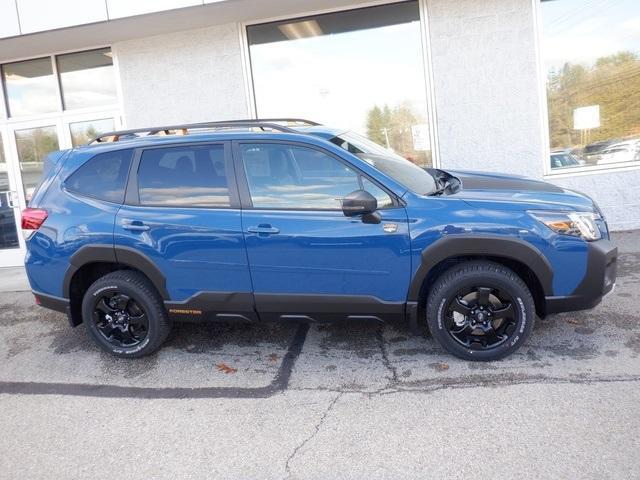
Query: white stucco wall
{"x": 617, "y": 194}
{"x": 190, "y": 76}
{"x": 484, "y": 68}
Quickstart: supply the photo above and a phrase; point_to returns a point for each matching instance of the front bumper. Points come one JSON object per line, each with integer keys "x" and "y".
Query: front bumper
{"x": 599, "y": 279}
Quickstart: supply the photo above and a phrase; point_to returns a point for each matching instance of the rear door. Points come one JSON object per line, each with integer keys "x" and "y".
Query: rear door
{"x": 307, "y": 258}
{"x": 182, "y": 213}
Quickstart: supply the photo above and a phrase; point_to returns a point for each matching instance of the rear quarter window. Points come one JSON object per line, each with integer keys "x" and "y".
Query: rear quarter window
{"x": 103, "y": 177}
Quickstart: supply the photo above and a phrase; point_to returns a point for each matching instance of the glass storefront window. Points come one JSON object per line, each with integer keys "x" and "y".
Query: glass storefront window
{"x": 592, "y": 57}
{"x": 30, "y": 87}
{"x": 87, "y": 79}
{"x": 360, "y": 70}
{"x": 84, "y": 132}
{"x": 33, "y": 145}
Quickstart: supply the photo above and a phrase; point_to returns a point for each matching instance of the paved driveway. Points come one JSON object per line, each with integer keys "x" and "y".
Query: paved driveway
{"x": 334, "y": 401}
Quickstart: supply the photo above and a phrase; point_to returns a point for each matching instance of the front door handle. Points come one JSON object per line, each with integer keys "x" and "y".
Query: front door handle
{"x": 135, "y": 226}
{"x": 263, "y": 228}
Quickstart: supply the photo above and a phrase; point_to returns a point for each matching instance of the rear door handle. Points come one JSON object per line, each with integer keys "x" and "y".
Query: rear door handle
{"x": 263, "y": 228}
{"x": 135, "y": 226}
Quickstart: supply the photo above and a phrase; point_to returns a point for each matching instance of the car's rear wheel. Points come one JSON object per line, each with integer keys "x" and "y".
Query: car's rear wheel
{"x": 124, "y": 314}
{"x": 480, "y": 310}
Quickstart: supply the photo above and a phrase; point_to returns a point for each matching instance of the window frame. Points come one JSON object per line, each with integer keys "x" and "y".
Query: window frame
{"x": 132, "y": 197}
{"x": 547, "y": 172}
{"x": 74, "y": 192}
{"x": 425, "y": 30}
{"x": 58, "y": 74}
{"x": 5, "y": 92}
{"x": 243, "y": 184}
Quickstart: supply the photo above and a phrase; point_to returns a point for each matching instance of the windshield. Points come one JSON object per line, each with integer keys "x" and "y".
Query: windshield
{"x": 401, "y": 170}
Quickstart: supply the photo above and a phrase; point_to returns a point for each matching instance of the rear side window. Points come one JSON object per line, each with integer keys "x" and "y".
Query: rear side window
{"x": 103, "y": 177}
{"x": 189, "y": 176}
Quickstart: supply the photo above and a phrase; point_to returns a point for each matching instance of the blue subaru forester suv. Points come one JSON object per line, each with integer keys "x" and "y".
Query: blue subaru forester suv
{"x": 264, "y": 220}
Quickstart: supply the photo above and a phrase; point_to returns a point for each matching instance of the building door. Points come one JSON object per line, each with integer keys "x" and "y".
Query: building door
{"x": 26, "y": 144}
{"x": 11, "y": 248}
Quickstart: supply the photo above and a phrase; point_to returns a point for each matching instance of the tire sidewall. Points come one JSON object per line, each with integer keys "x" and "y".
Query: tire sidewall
{"x": 522, "y": 302}
{"x": 93, "y": 295}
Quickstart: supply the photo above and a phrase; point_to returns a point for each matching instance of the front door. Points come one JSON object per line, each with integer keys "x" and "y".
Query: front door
{"x": 181, "y": 212}
{"x": 306, "y": 258}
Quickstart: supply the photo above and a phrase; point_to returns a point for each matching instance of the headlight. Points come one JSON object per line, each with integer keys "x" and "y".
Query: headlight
{"x": 578, "y": 224}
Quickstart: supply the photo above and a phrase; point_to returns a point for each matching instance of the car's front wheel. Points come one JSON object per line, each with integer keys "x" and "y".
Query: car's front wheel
{"x": 125, "y": 315}
{"x": 480, "y": 310}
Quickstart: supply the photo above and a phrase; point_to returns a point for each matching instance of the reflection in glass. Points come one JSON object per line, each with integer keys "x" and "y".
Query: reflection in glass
{"x": 84, "y": 132}
{"x": 592, "y": 56}
{"x": 103, "y": 176}
{"x": 283, "y": 176}
{"x": 359, "y": 69}
{"x": 31, "y": 87}
{"x": 33, "y": 145}
{"x": 191, "y": 176}
{"x": 8, "y": 229}
{"x": 87, "y": 79}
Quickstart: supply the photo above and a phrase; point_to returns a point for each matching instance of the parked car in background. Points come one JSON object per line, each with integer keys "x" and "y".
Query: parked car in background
{"x": 253, "y": 221}
{"x": 591, "y": 153}
{"x": 564, "y": 159}
{"x": 627, "y": 151}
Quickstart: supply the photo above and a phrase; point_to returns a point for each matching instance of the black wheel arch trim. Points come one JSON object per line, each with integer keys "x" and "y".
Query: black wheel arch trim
{"x": 126, "y": 256}
{"x": 498, "y": 246}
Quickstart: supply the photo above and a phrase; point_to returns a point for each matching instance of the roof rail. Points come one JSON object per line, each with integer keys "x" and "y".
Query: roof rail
{"x": 183, "y": 129}
{"x": 289, "y": 120}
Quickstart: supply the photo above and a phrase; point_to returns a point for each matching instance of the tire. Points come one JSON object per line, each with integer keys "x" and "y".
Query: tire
{"x": 125, "y": 315}
{"x": 480, "y": 311}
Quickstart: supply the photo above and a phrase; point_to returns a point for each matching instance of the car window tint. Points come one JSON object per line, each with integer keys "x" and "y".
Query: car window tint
{"x": 103, "y": 176}
{"x": 293, "y": 177}
{"x": 183, "y": 176}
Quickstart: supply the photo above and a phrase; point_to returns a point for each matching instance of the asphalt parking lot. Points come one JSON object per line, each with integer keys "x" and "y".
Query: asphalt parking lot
{"x": 325, "y": 401}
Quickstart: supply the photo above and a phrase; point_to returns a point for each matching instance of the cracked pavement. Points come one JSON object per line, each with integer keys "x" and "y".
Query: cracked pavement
{"x": 325, "y": 401}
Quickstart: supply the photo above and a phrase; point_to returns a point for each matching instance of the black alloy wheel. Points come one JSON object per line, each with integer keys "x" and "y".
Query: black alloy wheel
{"x": 481, "y": 318}
{"x": 125, "y": 315}
{"x": 120, "y": 320}
{"x": 480, "y": 310}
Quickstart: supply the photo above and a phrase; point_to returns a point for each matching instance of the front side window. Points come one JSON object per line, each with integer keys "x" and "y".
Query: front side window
{"x": 592, "y": 58}
{"x": 103, "y": 176}
{"x": 189, "y": 176}
{"x": 294, "y": 177}
{"x": 359, "y": 69}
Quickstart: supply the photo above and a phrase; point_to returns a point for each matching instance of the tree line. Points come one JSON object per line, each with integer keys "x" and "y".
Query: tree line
{"x": 612, "y": 82}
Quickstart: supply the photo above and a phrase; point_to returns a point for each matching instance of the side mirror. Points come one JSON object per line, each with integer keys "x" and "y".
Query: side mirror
{"x": 362, "y": 203}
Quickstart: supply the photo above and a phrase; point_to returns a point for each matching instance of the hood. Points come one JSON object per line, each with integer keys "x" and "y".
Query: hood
{"x": 517, "y": 192}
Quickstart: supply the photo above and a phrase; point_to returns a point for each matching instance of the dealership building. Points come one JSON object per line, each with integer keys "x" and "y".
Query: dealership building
{"x": 545, "y": 89}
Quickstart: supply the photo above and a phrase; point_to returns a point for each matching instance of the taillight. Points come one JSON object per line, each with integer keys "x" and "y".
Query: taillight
{"x": 33, "y": 218}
